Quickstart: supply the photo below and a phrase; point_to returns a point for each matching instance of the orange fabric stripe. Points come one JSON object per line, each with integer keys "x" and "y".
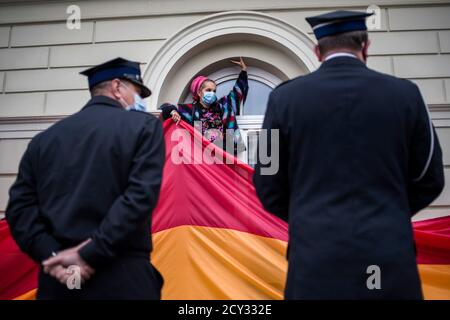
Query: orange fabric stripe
{"x": 216, "y": 263}
{"x": 435, "y": 281}
{"x": 30, "y": 295}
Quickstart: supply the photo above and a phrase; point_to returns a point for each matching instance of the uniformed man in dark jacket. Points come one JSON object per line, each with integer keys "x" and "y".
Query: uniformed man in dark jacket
{"x": 358, "y": 156}
{"x": 85, "y": 192}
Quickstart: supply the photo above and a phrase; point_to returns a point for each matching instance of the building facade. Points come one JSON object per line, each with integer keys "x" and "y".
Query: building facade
{"x": 45, "y": 44}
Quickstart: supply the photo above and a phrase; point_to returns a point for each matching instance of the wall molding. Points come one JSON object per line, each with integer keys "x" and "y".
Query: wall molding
{"x": 14, "y": 12}
{"x": 28, "y": 127}
{"x": 192, "y": 39}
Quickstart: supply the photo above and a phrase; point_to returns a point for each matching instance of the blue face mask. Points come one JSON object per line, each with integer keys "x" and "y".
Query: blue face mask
{"x": 209, "y": 98}
{"x": 139, "y": 103}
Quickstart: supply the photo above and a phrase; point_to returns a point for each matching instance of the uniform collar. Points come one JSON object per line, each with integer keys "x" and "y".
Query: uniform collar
{"x": 342, "y": 60}
{"x": 104, "y": 100}
{"x": 340, "y": 54}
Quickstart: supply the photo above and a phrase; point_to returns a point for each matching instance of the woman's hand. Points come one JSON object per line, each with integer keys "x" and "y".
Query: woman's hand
{"x": 175, "y": 116}
{"x": 241, "y": 64}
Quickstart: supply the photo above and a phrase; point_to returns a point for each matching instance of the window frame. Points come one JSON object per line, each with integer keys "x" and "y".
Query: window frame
{"x": 247, "y": 123}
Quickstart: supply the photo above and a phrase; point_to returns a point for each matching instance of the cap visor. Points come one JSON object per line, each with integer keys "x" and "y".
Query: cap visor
{"x": 145, "y": 92}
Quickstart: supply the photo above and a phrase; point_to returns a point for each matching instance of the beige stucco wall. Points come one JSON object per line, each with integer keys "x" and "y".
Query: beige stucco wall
{"x": 40, "y": 58}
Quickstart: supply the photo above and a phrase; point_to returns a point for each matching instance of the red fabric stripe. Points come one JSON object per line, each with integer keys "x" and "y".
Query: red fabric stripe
{"x": 433, "y": 241}
{"x": 218, "y": 195}
{"x": 18, "y": 273}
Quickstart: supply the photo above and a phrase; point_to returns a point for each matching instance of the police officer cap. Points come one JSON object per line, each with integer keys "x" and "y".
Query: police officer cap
{"x": 336, "y": 22}
{"x": 117, "y": 68}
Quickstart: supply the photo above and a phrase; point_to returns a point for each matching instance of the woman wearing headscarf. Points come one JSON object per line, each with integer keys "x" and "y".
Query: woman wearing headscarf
{"x": 216, "y": 116}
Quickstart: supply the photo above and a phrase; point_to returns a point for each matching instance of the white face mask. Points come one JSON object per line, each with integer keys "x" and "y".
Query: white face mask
{"x": 139, "y": 103}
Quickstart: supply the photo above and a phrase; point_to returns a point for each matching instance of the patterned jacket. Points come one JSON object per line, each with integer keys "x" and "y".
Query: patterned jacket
{"x": 228, "y": 107}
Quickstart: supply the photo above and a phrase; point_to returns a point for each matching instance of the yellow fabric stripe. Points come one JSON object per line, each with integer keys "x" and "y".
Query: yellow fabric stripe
{"x": 215, "y": 263}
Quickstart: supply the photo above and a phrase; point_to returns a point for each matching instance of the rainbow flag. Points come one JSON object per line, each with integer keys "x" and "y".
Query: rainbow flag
{"x": 433, "y": 257}
{"x": 213, "y": 240}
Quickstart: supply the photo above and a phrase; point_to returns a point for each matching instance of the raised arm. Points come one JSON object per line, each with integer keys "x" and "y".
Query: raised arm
{"x": 240, "y": 89}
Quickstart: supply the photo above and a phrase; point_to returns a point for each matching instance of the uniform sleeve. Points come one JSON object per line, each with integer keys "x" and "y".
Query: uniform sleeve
{"x": 134, "y": 207}
{"x": 272, "y": 188}
{"x": 166, "y": 109}
{"x": 238, "y": 94}
{"x": 426, "y": 171}
{"x": 23, "y": 215}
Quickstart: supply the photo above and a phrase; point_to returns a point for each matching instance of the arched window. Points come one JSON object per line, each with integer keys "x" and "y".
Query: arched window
{"x": 274, "y": 50}
{"x": 251, "y": 114}
{"x": 260, "y": 83}
{"x": 256, "y": 101}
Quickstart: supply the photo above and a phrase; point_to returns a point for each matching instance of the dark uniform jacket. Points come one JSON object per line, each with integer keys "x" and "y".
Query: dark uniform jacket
{"x": 358, "y": 157}
{"x": 95, "y": 174}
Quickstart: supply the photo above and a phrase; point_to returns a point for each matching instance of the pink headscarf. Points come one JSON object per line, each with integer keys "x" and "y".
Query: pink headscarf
{"x": 196, "y": 84}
